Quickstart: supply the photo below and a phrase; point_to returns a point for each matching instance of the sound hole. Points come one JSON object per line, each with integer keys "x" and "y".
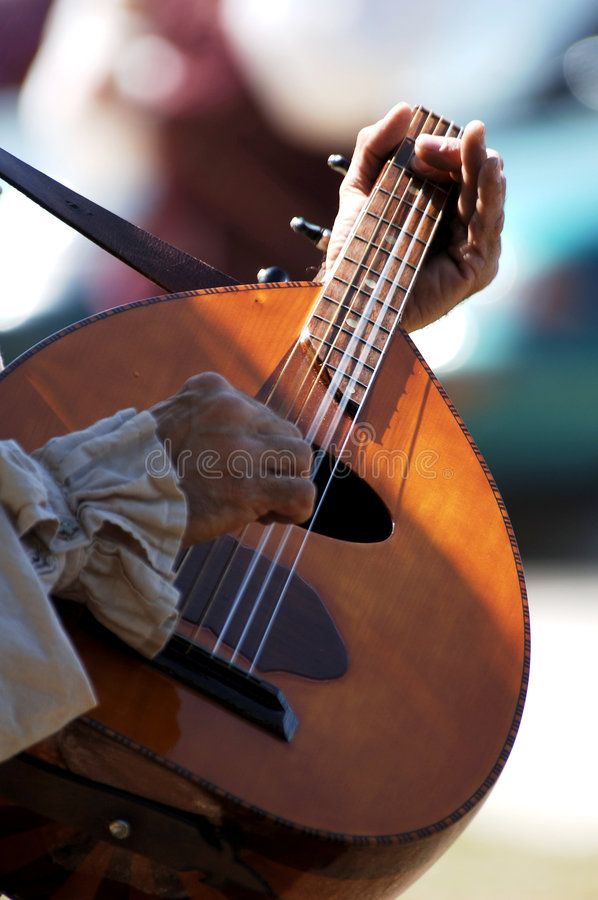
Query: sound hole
{"x": 351, "y": 509}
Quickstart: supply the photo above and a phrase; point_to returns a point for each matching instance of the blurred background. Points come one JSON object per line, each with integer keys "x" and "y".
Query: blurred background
{"x": 209, "y": 122}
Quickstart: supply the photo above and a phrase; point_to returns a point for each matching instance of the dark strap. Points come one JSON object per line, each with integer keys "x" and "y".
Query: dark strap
{"x": 175, "y": 839}
{"x": 162, "y": 263}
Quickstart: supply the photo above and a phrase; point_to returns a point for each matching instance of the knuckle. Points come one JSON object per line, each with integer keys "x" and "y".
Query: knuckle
{"x": 306, "y": 498}
{"x": 301, "y": 499}
{"x": 363, "y": 136}
{"x": 231, "y": 406}
{"x": 304, "y": 455}
{"x": 489, "y": 272}
{"x": 347, "y": 187}
{"x": 294, "y": 430}
{"x": 206, "y": 381}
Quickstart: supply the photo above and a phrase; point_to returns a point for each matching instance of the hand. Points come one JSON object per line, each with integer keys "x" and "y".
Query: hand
{"x": 236, "y": 460}
{"x": 469, "y": 261}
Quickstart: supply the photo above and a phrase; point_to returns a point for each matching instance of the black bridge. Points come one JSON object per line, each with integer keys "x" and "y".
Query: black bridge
{"x": 259, "y": 701}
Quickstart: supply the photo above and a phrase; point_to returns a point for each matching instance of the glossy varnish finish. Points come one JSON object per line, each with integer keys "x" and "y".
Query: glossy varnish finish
{"x": 404, "y": 745}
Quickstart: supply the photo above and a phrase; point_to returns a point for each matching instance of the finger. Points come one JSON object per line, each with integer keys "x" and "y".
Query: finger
{"x": 459, "y": 159}
{"x": 441, "y": 153}
{"x": 373, "y": 147}
{"x": 478, "y": 251}
{"x": 286, "y": 456}
{"x": 437, "y": 157}
{"x": 268, "y": 423}
{"x": 473, "y": 156}
{"x": 290, "y": 499}
{"x": 487, "y": 222}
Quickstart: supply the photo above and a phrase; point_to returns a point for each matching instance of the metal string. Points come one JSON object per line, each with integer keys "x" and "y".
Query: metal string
{"x": 346, "y": 359}
{"x": 339, "y": 375}
{"x": 324, "y": 407}
{"x": 317, "y": 362}
{"x": 323, "y": 494}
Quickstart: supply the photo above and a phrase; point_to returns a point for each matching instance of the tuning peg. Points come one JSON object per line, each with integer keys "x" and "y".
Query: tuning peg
{"x": 339, "y": 163}
{"x": 315, "y": 233}
{"x": 271, "y": 274}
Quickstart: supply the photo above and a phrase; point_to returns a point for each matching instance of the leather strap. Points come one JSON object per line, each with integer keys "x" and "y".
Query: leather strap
{"x": 165, "y": 265}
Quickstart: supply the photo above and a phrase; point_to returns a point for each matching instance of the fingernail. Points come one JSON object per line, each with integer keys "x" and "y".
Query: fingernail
{"x": 481, "y": 127}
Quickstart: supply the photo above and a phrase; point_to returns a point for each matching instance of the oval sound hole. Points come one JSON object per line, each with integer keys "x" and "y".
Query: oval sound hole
{"x": 351, "y": 509}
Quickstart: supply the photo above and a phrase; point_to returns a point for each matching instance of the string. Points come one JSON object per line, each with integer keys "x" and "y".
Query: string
{"x": 331, "y": 391}
{"x": 224, "y": 573}
{"x": 354, "y": 377}
{"x": 347, "y": 357}
{"x": 266, "y": 537}
{"x": 268, "y": 533}
{"x": 320, "y": 502}
{"x": 341, "y": 373}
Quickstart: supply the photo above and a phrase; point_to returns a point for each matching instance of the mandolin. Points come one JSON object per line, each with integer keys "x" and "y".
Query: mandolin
{"x": 338, "y": 698}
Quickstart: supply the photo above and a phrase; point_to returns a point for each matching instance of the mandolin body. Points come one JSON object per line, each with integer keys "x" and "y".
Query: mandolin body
{"x": 391, "y": 756}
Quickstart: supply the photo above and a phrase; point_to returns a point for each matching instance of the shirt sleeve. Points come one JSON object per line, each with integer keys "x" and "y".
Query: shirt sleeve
{"x": 95, "y": 516}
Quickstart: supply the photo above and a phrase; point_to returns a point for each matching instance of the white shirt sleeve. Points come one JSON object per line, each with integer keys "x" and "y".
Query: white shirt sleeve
{"x": 62, "y": 512}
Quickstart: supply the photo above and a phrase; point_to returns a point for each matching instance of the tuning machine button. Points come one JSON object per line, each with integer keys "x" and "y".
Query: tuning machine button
{"x": 272, "y": 274}
{"x": 339, "y": 163}
{"x": 314, "y": 233}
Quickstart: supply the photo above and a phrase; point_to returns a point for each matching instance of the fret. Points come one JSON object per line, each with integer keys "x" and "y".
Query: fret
{"x": 421, "y": 207}
{"x": 422, "y": 199}
{"x": 369, "y": 280}
{"x": 357, "y": 310}
{"x": 365, "y": 332}
{"x": 423, "y": 120}
{"x": 343, "y": 355}
{"x": 349, "y": 378}
{"x": 348, "y": 388}
{"x": 418, "y": 224}
{"x": 349, "y": 310}
{"x": 386, "y": 224}
{"x": 400, "y": 182}
{"x": 342, "y": 337}
{"x": 369, "y": 283}
{"x": 356, "y": 381}
{"x": 366, "y": 326}
{"x": 431, "y": 123}
{"x": 396, "y": 263}
{"x": 360, "y": 304}
{"x": 341, "y": 328}
{"x": 378, "y": 262}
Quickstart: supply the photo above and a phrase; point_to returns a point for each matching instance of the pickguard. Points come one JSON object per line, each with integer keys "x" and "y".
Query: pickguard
{"x": 303, "y": 640}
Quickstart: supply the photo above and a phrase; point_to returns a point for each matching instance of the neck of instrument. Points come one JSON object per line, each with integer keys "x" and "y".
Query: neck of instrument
{"x": 369, "y": 286}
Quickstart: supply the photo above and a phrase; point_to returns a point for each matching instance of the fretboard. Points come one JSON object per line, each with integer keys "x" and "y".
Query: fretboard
{"x": 366, "y": 294}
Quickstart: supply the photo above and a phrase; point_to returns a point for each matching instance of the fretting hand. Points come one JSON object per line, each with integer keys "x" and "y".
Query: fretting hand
{"x": 469, "y": 261}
